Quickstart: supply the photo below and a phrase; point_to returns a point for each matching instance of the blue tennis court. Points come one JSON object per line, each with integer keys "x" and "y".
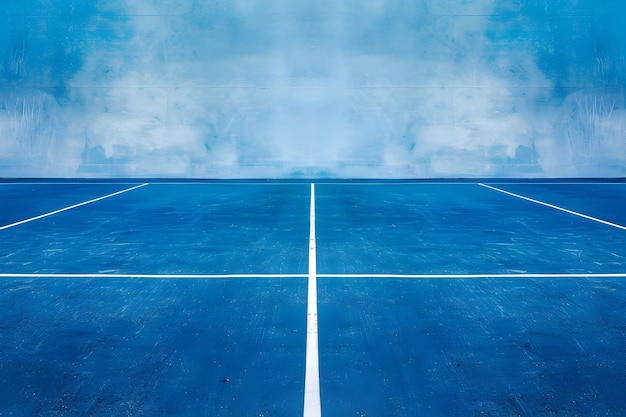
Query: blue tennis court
{"x": 338, "y": 298}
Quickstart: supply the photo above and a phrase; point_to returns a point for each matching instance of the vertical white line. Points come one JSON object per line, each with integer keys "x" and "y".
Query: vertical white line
{"x": 312, "y": 402}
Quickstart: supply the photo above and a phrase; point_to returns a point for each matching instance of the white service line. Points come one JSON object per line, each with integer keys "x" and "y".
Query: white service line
{"x": 152, "y": 276}
{"x": 339, "y": 276}
{"x": 557, "y": 183}
{"x": 475, "y": 276}
{"x": 69, "y": 183}
{"x": 312, "y": 400}
{"x": 575, "y": 213}
{"x": 70, "y": 207}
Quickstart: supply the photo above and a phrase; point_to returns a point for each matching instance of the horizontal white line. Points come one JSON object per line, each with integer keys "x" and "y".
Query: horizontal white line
{"x": 69, "y": 183}
{"x": 153, "y": 276}
{"x": 261, "y": 182}
{"x": 557, "y": 183}
{"x": 435, "y": 182}
{"x": 472, "y": 276}
{"x": 407, "y": 182}
{"x": 575, "y": 213}
{"x": 322, "y": 182}
{"x": 71, "y": 207}
{"x": 359, "y": 276}
{"x": 231, "y": 182}
{"x": 209, "y": 182}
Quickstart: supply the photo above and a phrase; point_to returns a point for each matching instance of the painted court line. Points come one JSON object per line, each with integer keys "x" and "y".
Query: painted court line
{"x": 312, "y": 401}
{"x": 618, "y": 182}
{"x": 474, "y": 276}
{"x": 575, "y": 213}
{"x": 71, "y": 207}
{"x": 69, "y": 183}
{"x": 280, "y": 276}
{"x": 460, "y": 182}
{"x": 153, "y": 276}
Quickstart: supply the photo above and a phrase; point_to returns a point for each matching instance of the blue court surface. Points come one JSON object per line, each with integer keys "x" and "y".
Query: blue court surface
{"x": 293, "y": 298}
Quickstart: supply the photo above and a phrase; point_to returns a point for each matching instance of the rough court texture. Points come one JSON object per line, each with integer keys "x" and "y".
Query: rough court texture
{"x": 229, "y": 339}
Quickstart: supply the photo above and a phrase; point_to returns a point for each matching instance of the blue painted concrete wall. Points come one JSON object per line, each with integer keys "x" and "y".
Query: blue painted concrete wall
{"x": 282, "y": 88}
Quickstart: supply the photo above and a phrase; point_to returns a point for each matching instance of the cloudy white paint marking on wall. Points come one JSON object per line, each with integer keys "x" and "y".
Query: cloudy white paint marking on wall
{"x": 326, "y": 88}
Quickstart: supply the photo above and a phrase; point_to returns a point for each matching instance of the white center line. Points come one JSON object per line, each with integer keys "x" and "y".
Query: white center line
{"x": 70, "y": 207}
{"x": 575, "y": 213}
{"x": 312, "y": 401}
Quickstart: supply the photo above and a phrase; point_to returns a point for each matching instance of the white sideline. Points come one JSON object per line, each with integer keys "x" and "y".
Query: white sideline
{"x": 70, "y": 207}
{"x": 575, "y": 213}
{"x": 312, "y": 400}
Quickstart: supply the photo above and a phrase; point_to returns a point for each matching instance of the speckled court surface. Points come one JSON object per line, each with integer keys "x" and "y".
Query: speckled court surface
{"x": 430, "y": 298}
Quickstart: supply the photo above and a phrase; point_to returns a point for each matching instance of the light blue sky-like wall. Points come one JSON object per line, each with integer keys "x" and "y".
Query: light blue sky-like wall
{"x": 339, "y": 88}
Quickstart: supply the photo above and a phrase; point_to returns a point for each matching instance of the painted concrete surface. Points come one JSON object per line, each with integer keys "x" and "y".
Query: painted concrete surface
{"x": 115, "y": 343}
{"x": 152, "y": 347}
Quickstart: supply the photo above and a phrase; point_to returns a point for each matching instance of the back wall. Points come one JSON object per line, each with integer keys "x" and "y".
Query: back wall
{"x": 312, "y": 88}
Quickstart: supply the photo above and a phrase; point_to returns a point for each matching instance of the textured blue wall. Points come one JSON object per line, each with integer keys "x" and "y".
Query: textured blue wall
{"x": 275, "y": 88}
